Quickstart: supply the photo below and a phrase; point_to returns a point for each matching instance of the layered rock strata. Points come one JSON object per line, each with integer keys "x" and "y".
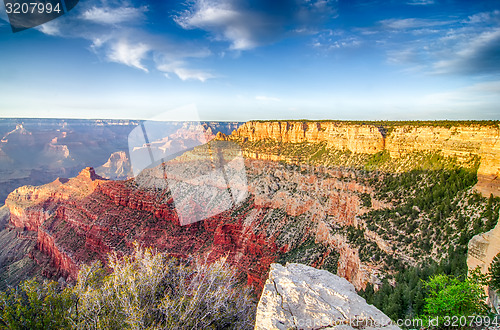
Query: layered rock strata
{"x": 457, "y": 140}
{"x": 84, "y": 218}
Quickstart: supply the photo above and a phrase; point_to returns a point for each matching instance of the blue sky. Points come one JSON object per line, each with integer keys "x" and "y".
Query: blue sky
{"x": 243, "y": 60}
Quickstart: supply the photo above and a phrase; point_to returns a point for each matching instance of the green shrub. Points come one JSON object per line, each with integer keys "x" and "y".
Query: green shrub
{"x": 494, "y": 272}
{"x": 448, "y": 296}
{"x": 35, "y": 305}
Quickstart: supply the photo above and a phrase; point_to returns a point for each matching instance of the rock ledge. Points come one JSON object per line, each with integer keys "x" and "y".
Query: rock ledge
{"x": 301, "y": 297}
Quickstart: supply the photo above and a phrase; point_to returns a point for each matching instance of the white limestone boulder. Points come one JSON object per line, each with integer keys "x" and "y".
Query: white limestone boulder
{"x": 301, "y": 297}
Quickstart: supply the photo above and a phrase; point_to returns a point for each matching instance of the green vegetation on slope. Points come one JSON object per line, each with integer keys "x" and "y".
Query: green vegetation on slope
{"x": 308, "y": 252}
{"x": 436, "y": 213}
{"x": 321, "y": 155}
{"x": 431, "y": 213}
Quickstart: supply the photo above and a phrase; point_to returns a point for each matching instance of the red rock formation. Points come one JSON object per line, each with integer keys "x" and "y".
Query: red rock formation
{"x": 84, "y": 218}
{"x": 75, "y": 228}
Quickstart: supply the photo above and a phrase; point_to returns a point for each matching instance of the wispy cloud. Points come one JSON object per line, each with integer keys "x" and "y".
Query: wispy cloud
{"x": 477, "y": 53}
{"x": 484, "y": 17}
{"x": 129, "y": 54}
{"x": 114, "y": 36}
{"x": 484, "y": 95}
{"x": 247, "y": 25}
{"x": 179, "y": 69}
{"x": 107, "y": 15}
{"x": 420, "y": 2}
{"x": 335, "y": 39}
{"x": 412, "y": 23}
{"x": 50, "y": 28}
{"x": 468, "y": 46}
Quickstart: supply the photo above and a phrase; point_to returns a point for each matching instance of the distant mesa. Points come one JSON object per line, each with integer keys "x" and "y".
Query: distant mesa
{"x": 117, "y": 167}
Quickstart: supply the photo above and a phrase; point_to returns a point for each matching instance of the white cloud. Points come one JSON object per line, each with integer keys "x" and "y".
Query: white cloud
{"x": 178, "y": 68}
{"x": 226, "y": 22}
{"x": 106, "y": 15}
{"x": 129, "y": 54}
{"x": 335, "y": 39}
{"x": 483, "y": 97}
{"x": 123, "y": 41}
{"x": 483, "y": 17}
{"x": 188, "y": 74}
{"x": 247, "y": 25}
{"x": 411, "y": 23}
{"x": 420, "y": 2}
{"x": 460, "y": 46}
{"x": 267, "y": 98}
{"x": 472, "y": 52}
{"x": 50, "y": 28}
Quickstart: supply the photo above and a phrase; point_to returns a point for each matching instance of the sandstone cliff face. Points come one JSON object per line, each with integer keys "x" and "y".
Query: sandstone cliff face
{"x": 481, "y": 251}
{"x": 301, "y": 297}
{"x": 32, "y": 208}
{"x": 461, "y": 141}
{"x": 483, "y": 248}
{"x": 355, "y": 138}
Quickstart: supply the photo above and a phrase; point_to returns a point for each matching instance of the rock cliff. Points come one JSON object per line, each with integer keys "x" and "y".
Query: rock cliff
{"x": 297, "y": 296}
{"x": 456, "y": 140}
{"x": 482, "y": 249}
{"x": 76, "y": 226}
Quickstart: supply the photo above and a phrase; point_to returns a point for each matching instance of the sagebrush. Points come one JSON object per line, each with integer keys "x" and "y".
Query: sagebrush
{"x": 146, "y": 290}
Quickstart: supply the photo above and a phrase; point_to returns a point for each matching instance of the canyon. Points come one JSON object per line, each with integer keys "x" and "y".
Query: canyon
{"x": 295, "y": 203}
{"x": 86, "y": 217}
{"x": 38, "y": 151}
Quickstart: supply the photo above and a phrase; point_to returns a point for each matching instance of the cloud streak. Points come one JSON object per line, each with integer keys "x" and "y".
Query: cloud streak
{"x": 412, "y": 23}
{"x": 420, "y": 2}
{"x": 183, "y": 73}
{"x": 484, "y": 95}
{"x": 107, "y": 15}
{"x": 479, "y": 53}
{"x": 246, "y": 25}
{"x": 468, "y": 46}
{"x": 115, "y": 36}
{"x": 129, "y": 54}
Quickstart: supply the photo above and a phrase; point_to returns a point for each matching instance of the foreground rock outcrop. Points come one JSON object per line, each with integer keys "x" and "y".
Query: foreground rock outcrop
{"x": 301, "y": 297}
